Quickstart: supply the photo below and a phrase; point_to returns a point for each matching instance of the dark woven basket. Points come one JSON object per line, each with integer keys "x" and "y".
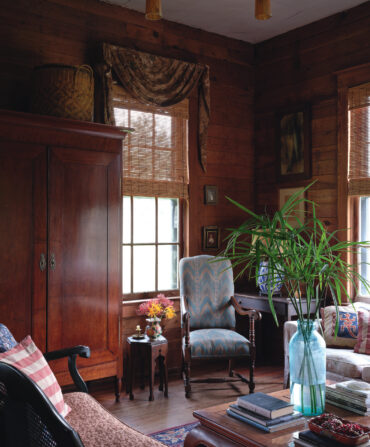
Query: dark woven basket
{"x": 63, "y": 90}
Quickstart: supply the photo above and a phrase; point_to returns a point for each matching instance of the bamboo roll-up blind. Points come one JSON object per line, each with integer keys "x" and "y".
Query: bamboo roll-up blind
{"x": 154, "y": 156}
{"x": 359, "y": 140}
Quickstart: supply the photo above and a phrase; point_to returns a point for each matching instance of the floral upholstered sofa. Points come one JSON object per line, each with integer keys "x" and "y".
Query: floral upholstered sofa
{"x": 29, "y": 416}
{"x": 342, "y": 362}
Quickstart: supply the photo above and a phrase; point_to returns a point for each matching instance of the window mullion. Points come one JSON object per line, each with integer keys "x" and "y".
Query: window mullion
{"x": 156, "y": 243}
{"x": 132, "y": 244}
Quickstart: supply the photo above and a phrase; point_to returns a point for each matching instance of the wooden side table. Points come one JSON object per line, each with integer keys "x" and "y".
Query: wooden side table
{"x": 146, "y": 349}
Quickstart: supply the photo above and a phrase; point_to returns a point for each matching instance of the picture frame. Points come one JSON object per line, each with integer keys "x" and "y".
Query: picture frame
{"x": 211, "y": 238}
{"x": 293, "y": 143}
{"x": 210, "y": 195}
{"x": 300, "y": 211}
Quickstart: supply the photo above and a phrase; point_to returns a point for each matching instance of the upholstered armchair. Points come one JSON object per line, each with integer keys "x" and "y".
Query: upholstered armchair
{"x": 208, "y": 319}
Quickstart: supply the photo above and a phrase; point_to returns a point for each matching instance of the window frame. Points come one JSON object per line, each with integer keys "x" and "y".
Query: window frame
{"x": 169, "y": 293}
{"x": 347, "y": 205}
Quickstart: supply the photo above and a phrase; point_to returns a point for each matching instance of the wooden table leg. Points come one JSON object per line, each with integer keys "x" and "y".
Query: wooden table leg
{"x": 165, "y": 368}
{"x": 117, "y": 388}
{"x": 161, "y": 372}
{"x": 131, "y": 374}
{"x": 151, "y": 376}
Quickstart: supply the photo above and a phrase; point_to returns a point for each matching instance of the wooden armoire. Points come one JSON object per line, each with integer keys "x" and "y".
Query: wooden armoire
{"x": 60, "y": 230}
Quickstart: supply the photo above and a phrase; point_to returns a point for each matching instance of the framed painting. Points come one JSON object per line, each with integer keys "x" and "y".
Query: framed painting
{"x": 211, "y": 238}
{"x": 293, "y": 143}
{"x": 210, "y": 195}
{"x": 300, "y": 210}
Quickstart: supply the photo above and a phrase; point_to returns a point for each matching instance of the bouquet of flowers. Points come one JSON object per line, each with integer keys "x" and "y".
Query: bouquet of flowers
{"x": 159, "y": 307}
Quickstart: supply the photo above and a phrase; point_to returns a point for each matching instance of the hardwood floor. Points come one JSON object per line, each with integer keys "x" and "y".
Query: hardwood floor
{"x": 149, "y": 417}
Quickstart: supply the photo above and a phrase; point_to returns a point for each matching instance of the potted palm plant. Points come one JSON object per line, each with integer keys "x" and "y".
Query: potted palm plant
{"x": 313, "y": 263}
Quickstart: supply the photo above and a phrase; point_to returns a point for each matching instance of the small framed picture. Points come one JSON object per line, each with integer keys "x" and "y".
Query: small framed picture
{"x": 293, "y": 143}
{"x": 211, "y": 238}
{"x": 300, "y": 210}
{"x": 210, "y": 195}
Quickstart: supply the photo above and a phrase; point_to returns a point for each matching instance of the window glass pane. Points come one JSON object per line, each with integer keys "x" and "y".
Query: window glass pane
{"x": 121, "y": 117}
{"x": 167, "y": 267}
{"x": 144, "y": 268}
{"x": 142, "y": 122}
{"x": 168, "y": 220}
{"x": 163, "y": 130}
{"x": 364, "y": 236}
{"x": 126, "y": 269}
{"x": 144, "y": 220}
{"x": 126, "y": 220}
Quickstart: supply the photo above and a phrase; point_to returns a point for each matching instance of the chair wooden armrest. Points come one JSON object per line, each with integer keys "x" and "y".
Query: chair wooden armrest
{"x": 251, "y": 313}
{"x": 72, "y": 353}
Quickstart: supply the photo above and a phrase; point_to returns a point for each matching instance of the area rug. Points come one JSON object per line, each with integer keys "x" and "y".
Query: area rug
{"x": 174, "y": 436}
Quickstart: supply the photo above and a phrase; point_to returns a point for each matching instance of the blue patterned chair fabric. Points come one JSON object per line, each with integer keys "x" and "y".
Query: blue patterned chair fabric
{"x": 217, "y": 343}
{"x": 207, "y": 287}
{"x": 7, "y": 340}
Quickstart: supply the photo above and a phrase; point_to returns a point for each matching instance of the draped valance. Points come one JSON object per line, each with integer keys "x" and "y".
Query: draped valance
{"x": 157, "y": 80}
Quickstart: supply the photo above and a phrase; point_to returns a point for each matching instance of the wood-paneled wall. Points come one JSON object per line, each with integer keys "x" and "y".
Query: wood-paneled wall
{"x": 35, "y": 32}
{"x": 299, "y": 67}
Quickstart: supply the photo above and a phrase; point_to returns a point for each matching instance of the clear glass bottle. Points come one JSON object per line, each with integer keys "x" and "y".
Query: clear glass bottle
{"x": 307, "y": 367}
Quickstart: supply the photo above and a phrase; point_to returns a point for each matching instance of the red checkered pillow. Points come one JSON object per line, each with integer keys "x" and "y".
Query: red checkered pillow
{"x": 363, "y": 341}
{"x": 26, "y": 357}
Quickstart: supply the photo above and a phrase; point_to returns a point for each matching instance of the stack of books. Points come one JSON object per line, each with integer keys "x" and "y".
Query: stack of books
{"x": 308, "y": 438}
{"x": 265, "y": 412}
{"x": 351, "y": 395}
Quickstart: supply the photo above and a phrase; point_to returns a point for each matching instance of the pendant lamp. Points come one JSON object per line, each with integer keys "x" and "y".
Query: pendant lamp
{"x": 153, "y": 10}
{"x": 262, "y": 9}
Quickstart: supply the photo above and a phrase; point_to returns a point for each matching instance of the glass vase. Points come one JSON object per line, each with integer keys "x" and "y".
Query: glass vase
{"x": 307, "y": 368}
{"x": 153, "y": 329}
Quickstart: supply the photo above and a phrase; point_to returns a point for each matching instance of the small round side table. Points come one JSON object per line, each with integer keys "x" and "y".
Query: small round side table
{"x": 139, "y": 350}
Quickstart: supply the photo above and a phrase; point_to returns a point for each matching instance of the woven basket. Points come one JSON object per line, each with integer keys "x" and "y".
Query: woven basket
{"x": 63, "y": 90}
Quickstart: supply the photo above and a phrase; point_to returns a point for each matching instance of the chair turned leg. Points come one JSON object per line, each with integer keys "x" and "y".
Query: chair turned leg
{"x": 251, "y": 384}
{"x": 231, "y": 367}
{"x": 187, "y": 379}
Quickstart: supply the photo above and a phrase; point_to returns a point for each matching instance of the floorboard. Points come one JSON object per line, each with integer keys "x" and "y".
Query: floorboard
{"x": 149, "y": 417}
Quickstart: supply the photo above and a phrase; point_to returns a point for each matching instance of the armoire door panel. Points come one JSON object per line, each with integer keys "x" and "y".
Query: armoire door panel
{"x": 83, "y": 213}
{"x": 23, "y": 191}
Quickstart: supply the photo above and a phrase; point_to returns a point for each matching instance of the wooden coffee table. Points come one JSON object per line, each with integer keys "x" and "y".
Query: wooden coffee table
{"x": 217, "y": 429}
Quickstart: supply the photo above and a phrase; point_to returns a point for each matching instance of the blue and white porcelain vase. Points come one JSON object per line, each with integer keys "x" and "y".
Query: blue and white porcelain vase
{"x": 307, "y": 368}
{"x": 265, "y": 283}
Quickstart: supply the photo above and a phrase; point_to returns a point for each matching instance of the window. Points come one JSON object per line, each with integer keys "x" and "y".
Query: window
{"x": 359, "y": 169}
{"x": 154, "y": 184}
{"x": 150, "y": 244}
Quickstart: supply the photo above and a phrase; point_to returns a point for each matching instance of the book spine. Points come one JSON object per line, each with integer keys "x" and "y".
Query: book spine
{"x": 248, "y": 421}
{"x": 341, "y": 393}
{"x": 254, "y": 408}
{"x": 349, "y": 403}
{"x": 347, "y": 407}
{"x": 359, "y": 393}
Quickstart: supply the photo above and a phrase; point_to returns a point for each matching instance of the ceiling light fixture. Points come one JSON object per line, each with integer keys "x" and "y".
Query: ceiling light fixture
{"x": 262, "y": 9}
{"x": 153, "y": 10}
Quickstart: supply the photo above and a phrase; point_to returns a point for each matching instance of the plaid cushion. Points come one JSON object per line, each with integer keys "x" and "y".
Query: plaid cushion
{"x": 7, "y": 340}
{"x": 29, "y": 359}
